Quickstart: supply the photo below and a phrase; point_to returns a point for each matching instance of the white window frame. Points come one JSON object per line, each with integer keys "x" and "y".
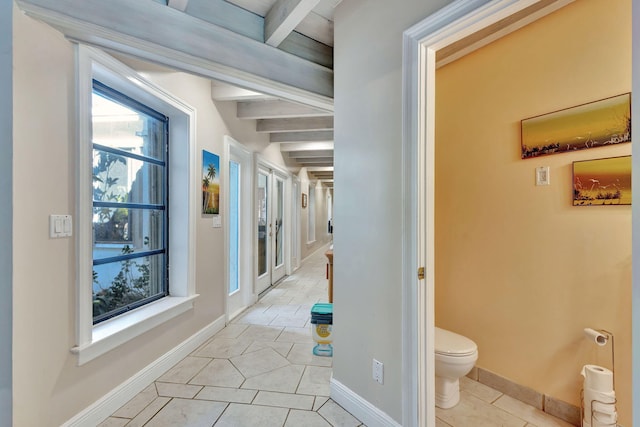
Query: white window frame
{"x": 93, "y": 341}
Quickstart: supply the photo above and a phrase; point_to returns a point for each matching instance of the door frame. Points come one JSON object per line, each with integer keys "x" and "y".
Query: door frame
{"x": 261, "y": 163}
{"x": 296, "y": 239}
{"x": 421, "y": 42}
{"x": 286, "y": 234}
{"x": 246, "y": 267}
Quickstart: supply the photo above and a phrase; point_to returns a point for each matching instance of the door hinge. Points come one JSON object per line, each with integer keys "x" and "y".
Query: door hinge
{"x": 421, "y": 273}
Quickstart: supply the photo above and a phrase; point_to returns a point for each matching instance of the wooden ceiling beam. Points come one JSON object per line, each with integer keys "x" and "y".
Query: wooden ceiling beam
{"x": 310, "y": 153}
{"x": 178, "y": 40}
{"x": 275, "y": 109}
{"x": 283, "y": 17}
{"x": 246, "y": 21}
{"x": 319, "y": 161}
{"x": 305, "y": 146}
{"x": 317, "y": 25}
{"x": 320, "y": 169}
{"x": 180, "y": 5}
{"x": 308, "y": 48}
{"x": 317, "y": 136}
{"x": 318, "y": 28}
{"x": 295, "y": 124}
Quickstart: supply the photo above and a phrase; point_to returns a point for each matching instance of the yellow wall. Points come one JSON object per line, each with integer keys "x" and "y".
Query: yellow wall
{"x": 518, "y": 269}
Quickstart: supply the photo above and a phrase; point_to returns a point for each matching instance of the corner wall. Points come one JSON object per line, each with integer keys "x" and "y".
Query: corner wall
{"x": 518, "y": 269}
{"x": 368, "y": 198}
{"x": 6, "y": 213}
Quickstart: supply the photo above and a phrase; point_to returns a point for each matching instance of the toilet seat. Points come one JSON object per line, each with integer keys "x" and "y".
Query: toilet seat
{"x": 450, "y": 344}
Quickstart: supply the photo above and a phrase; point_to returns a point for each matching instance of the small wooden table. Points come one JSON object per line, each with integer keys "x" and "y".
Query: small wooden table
{"x": 329, "y": 255}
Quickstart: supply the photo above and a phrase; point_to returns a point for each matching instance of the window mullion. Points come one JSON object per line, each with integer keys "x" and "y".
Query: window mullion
{"x": 130, "y": 220}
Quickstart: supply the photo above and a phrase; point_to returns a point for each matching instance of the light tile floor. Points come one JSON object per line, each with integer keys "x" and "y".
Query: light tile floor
{"x": 482, "y": 406}
{"x": 260, "y": 371}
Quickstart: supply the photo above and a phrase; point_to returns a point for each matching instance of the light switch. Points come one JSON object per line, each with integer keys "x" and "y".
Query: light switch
{"x": 217, "y": 221}
{"x": 67, "y": 225}
{"x": 542, "y": 176}
{"x": 60, "y": 226}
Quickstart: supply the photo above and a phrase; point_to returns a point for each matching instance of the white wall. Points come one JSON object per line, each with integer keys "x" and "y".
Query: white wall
{"x": 48, "y": 387}
{"x": 368, "y": 200}
{"x": 6, "y": 213}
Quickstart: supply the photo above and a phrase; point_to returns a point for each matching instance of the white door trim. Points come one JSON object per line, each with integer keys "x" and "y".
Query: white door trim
{"x": 232, "y": 148}
{"x": 296, "y": 239}
{"x": 278, "y": 271}
{"x": 420, "y": 44}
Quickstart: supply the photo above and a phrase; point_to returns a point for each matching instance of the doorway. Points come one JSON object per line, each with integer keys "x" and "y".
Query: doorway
{"x": 271, "y": 238}
{"x": 476, "y": 23}
{"x": 238, "y": 232}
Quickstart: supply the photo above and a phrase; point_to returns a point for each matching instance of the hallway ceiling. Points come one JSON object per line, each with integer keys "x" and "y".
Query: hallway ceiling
{"x": 300, "y": 27}
{"x": 281, "y": 47}
{"x": 305, "y": 134}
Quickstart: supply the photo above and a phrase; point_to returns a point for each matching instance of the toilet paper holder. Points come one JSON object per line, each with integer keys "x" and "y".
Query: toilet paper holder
{"x": 600, "y": 337}
{"x": 593, "y": 403}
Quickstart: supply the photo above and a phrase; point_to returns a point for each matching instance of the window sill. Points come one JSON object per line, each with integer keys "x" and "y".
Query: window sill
{"x": 114, "y": 332}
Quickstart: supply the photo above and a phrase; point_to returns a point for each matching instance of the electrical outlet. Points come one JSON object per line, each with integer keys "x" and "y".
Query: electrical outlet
{"x": 378, "y": 371}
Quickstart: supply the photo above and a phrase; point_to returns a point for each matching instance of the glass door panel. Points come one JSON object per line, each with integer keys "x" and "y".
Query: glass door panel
{"x": 264, "y": 249}
{"x": 234, "y": 226}
{"x": 279, "y": 218}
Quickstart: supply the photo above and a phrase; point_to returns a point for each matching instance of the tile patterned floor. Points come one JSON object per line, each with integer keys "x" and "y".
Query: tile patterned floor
{"x": 482, "y": 406}
{"x": 260, "y": 371}
{"x": 257, "y": 371}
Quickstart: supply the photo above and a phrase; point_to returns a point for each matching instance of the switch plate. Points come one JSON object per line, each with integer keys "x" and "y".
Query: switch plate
{"x": 378, "y": 371}
{"x": 542, "y": 176}
{"x": 60, "y": 226}
{"x": 217, "y": 221}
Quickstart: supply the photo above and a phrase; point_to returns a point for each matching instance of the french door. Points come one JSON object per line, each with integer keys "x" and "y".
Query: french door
{"x": 270, "y": 202}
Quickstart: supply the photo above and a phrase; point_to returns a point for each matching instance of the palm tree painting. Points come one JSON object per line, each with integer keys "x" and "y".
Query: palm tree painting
{"x": 210, "y": 183}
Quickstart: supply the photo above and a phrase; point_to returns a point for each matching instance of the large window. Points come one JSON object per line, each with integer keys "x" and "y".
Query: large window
{"x": 137, "y": 189}
{"x": 130, "y": 187}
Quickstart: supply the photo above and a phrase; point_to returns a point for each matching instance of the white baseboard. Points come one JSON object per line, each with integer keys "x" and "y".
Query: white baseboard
{"x": 370, "y": 415}
{"x": 112, "y": 401}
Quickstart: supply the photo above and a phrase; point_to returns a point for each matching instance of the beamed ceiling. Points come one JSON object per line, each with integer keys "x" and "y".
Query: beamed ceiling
{"x": 272, "y": 58}
{"x": 300, "y": 27}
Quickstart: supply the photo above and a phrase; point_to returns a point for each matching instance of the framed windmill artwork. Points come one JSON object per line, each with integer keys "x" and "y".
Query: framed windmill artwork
{"x": 210, "y": 183}
{"x": 596, "y": 124}
{"x": 602, "y": 182}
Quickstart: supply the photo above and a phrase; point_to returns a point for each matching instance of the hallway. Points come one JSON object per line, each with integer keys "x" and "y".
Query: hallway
{"x": 260, "y": 371}
{"x": 257, "y": 371}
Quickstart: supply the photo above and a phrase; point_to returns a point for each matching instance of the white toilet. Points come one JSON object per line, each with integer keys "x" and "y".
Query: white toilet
{"x": 455, "y": 356}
